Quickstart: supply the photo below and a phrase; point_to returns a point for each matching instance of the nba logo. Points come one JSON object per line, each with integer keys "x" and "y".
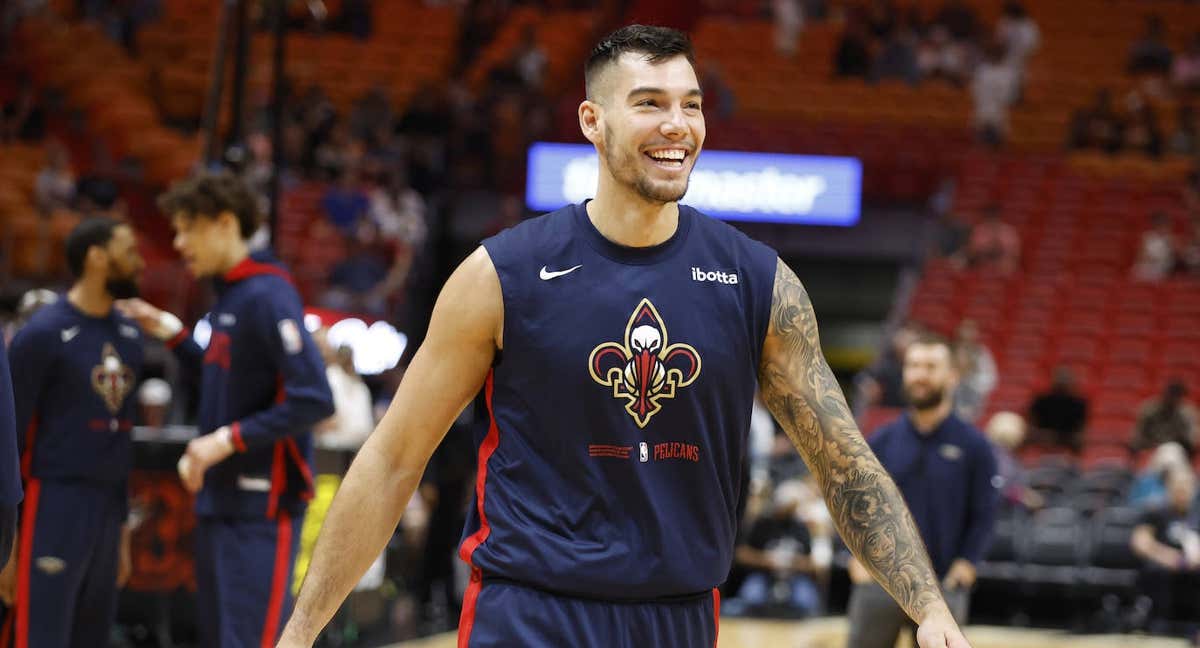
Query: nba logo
{"x": 645, "y": 451}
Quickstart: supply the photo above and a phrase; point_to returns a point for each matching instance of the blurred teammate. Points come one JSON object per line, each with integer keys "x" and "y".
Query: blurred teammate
{"x": 619, "y": 344}
{"x": 263, "y": 388}
{"x": 74, "y": 367}
{"x": 10, "y": 468}
{"x": 947, "y": 471}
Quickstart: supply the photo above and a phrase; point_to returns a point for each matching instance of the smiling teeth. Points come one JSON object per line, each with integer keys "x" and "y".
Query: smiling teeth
{"x": 672, "y": 154}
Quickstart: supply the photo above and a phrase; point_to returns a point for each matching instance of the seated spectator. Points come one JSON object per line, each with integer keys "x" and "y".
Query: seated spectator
{"x": 1168, "y": 541}
{"x": 1151, "y": 54}
{"x": 1189, "y": 255}
{"x": 530, "y": 59}
{"x": 719, "y": 100}
{"x": 882, "y": 383}
{"x": 54, "y": 187}
{"x": 881, "y": 19}
{"x": 898, "y": 59}
{"x": 994, "y": 245}
{"x": 1097, "y": 127}
{"x": 353, "y": 281}
{"x": 941, "y": 57}
{"x": 1186, "y": 138}
{"x": 777, "y": 553}
{"x": 1058, "y": 415}
{"x": 1006, "y": 431}
{"x": 22, "y": 117}
{"x": 852, "y": 58}
{"x": 1185, "y": 71}
{"x": 345, "y": 203}
{"x": 976, "y": 371}
{"x": 994, "y": 89}
{"x": 1019, "y": 35}
{"x": 1142, "y": 134}
{"x": 1168, "y": 418}
{"x": 1156, "y": 254}
{"x": 788, "y": 19}
{"x": 1149, "y": 487}
{"x": 958, "y": 17}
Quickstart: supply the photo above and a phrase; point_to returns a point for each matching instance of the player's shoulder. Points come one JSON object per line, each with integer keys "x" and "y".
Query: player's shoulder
{"x": 969, "y": 435}
{"x": 726, "y": 234}
{"x": 534, "y": 231}
{"x": 48, "y": 319}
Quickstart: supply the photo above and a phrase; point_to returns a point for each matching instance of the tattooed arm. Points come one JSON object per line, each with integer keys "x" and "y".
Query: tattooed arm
{"x": 800, "y": 390}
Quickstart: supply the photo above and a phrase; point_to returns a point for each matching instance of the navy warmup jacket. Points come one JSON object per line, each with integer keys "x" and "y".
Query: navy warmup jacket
{"x": 262, "y": 375}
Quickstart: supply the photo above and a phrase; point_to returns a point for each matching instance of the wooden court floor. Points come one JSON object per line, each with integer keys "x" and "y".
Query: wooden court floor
{"x": 831, "y": 633}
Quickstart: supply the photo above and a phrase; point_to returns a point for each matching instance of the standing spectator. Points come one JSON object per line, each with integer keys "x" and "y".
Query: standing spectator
{"x": 942, "y": 57}
{"x": 1185, "y": 71}
{"x": 995, "y": 89}
{"x": 1019, "y": 35}
{"x": 54, "y": 187}
{"x": 976, "y": 370}
{"x": 924, "y": 450}
{"x": 1168, "y": 540}
{"x": 1058, "y": 415}
{"x": 1168, "y": 418}
{"x": 777, "y": 553}
{"x": 1156, "y": 254}
{"x": 1150, "y": 54}
{"x": 853, "y": 55}
{"x": 1006, "y": 431}
{"x": 994, "y": 244}
{"x": 1149, "y": 488}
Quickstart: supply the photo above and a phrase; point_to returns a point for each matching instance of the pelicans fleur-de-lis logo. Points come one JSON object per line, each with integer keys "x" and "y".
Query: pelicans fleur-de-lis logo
{"x": 112, "y": 379}
{"x": 645, "y": 368}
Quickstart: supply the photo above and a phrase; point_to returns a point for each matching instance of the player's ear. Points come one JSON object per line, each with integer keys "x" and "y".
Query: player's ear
{"x": 591, "y": 120}
{"x": 229, "y": 222}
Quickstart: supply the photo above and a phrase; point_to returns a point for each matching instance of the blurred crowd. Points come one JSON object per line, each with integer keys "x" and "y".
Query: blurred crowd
{"x": 1154, "y": 116}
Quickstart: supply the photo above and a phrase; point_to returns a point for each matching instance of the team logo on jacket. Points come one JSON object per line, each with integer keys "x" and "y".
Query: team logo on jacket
{"x": 645, "y": 368}
{"x": 112, "y": 379}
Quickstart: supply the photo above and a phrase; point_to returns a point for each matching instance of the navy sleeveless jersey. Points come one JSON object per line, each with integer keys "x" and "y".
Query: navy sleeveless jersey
{"x": 619, "y": 406}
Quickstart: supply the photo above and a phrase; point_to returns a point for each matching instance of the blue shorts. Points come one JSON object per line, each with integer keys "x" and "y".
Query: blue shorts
{"x": 244, "y": 579}
{"x": 66, "y": 595}
{"x": 502, "y": 614}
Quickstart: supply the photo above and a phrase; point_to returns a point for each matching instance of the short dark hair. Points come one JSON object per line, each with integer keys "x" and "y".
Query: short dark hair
{"x": 657, "y": 43}
{"x": 208, "y": 194}
{"x": 930, "y": 338}
{"x": 92, "y": 232}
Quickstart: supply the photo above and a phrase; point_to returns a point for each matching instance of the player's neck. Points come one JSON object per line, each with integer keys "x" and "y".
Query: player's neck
{"x": 632, "y": 221}
{"x": 928, "y": 420}
{"x": 90, "y": 298}
{"x": 238, "y": 252}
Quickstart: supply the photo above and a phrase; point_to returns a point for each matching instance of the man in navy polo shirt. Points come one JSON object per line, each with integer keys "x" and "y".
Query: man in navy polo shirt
{"x": 945, "y": 469}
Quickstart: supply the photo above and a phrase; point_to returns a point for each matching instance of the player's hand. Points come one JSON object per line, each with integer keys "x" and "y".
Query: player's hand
{"x": 961, "y": 575}
{"x": 158, "y": 323}
{"x": 124, "y": 557}
{"x": 938, "y": 630}
{"x": 202, "y": 453}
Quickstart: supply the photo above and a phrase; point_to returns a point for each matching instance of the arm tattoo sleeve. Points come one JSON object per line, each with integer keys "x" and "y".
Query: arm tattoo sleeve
{"x": 800, "y": 390}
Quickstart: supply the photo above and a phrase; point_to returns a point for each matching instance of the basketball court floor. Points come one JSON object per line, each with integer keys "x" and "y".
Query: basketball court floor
{"x": 831, "y": 633}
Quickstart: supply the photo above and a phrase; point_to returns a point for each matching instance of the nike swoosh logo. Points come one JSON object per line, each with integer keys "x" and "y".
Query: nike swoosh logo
{"x": 546, "y": 275}
{"x": 69, "y": 334}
